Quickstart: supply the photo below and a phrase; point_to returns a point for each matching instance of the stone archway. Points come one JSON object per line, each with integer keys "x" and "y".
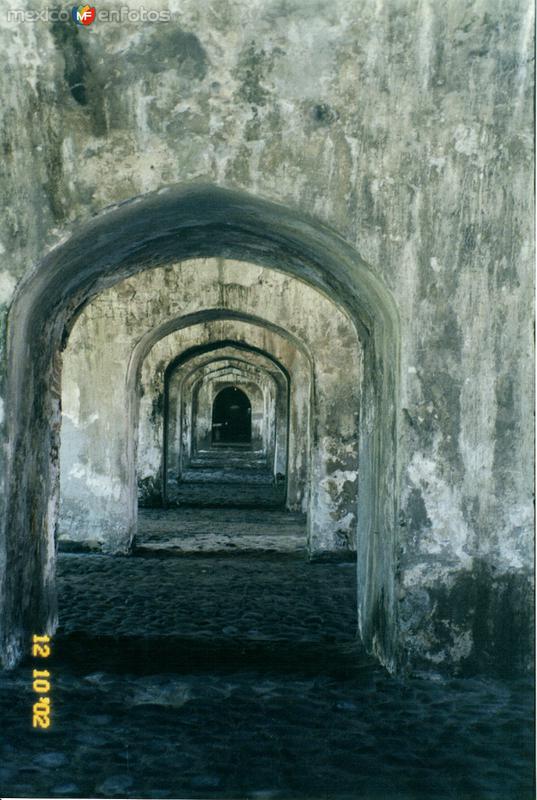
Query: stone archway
{"x": 201, "y": 390}
{"x": 231, "y": 337}
{"x": 228, "y": 418}
{"x": 166, "y": 226}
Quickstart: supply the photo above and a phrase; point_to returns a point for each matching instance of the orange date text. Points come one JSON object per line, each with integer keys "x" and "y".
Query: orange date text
{"x": 41, "y": 684}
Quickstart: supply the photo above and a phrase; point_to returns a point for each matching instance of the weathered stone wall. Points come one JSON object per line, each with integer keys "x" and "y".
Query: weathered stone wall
{"x": 404, "y": 126}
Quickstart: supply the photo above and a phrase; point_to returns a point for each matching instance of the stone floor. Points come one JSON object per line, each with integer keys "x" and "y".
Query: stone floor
{"x": 210, "y": 488}
{"x": 238, "y": 676}
{"x": 232, "y": 530}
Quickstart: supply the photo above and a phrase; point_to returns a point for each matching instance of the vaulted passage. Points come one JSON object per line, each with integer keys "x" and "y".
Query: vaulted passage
{"x": 145, "y": 354}
{"x": 257, "y": 557}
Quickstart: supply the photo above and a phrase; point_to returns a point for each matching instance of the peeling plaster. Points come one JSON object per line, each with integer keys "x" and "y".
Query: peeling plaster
{"x": 7, "y": 287}
{"x": 100, "y": 485}
{"x": 448, "y": 535}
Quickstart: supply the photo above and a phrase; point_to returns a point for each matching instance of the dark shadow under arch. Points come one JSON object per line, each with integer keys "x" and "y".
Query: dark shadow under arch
{"x": 168, "y": 226}
{"x": 232, "y": 417}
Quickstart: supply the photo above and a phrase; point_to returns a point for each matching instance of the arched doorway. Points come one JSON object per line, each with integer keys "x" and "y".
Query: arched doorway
{"x": 232, "y": 417}
{"x": 169, "y": 226}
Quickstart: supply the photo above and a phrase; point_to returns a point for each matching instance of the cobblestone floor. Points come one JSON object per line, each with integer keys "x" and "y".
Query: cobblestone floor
{"x": 211, "y": 491}
{"x": 218, "y": 676}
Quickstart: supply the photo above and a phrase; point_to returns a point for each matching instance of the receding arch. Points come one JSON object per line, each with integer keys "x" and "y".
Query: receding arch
{"x": 240, "y": 374}
{"x": 148, "y": 341}
{"x": 169, "y": 226}
{"x": 291, "y": 459}
{"x": 181, "y": 386}
{"x": 145, "y": 344}
{"x": 210, "y": 347}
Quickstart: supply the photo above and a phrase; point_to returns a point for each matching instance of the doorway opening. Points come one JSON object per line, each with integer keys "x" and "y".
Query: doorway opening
{"x": 232, "y": 417}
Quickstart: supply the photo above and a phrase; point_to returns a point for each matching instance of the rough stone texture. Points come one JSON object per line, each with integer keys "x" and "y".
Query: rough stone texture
{"x": 405, "y": 127}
